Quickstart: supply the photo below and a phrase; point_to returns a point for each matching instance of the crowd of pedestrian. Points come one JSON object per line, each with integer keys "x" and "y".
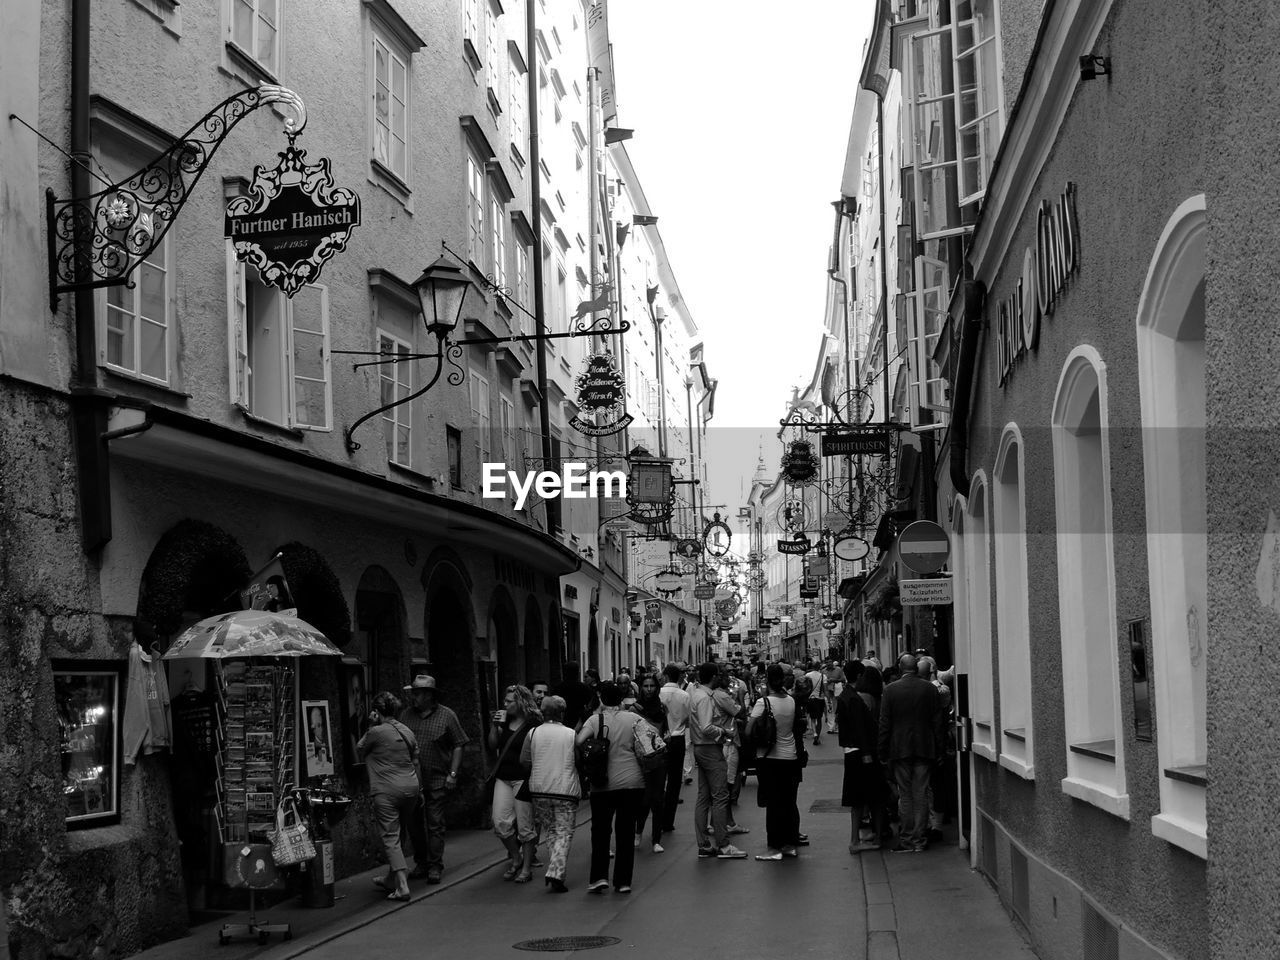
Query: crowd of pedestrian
{"x": 627, "y": 747}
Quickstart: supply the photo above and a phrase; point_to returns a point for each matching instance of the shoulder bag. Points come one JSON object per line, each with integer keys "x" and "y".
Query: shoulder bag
{"x": 421, "y": 809}
{"x": 593, "y": 754}
{"x": 651, "y": 749}
{"x": 765, "y": 732}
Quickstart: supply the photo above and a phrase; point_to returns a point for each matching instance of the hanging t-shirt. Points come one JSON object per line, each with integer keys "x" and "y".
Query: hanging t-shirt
{"x": 147, "y": 726}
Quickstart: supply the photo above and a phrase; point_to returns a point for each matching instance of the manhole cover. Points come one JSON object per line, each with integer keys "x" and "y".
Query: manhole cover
{"x": 563, "y": 944}
{"x": 827, "y": 806}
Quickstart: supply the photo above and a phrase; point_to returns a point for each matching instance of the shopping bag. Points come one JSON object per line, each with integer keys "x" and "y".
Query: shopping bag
{"x": 290, "y": 841}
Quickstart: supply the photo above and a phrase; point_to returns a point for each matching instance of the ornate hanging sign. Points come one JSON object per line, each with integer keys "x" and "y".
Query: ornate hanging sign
{"x": 602, "y": 398}
{"x": 800, "y": 545}
{"x": 688, "y": 548}
{"x": 292, "y": 221}
{"x": 712, "y": 540}
{"x": 669, "y": 581}
{"x": 800, "y": 463}
{"x": 704, "y": 591}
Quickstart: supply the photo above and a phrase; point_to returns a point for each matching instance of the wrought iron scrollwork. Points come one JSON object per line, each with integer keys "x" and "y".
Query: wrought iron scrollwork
{"x": 99, "y": 240}
{"x": 438, "y": 356}
{"x": 457, "y": 375}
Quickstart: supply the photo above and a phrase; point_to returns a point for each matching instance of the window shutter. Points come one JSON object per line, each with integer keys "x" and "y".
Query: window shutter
{"x": 237, "y": 329}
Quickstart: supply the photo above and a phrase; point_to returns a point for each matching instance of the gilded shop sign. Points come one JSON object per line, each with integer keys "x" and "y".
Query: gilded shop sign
{"x": 1046, "y": 268}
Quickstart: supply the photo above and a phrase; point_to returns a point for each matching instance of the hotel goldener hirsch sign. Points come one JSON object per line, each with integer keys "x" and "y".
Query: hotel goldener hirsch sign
{"x": 292, "y": 221}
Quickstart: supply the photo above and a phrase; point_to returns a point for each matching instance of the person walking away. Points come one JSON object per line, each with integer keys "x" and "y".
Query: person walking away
{"x": 676, "y": 700}
{"x": 708, "y": 756}
{"x": 727, "y": 710}
{"x": 816, "y": 704}
{"x": 910, "y": 742}
{"x": 616, "y": 805}
{"x": 649, "y": 706}
{"x": 778, "y": 767}
{"x": 512, "y": 817}
{"x": 835, "y": 678}
{"x": 389, "y": 749}
{"x": 870, "y": 687}
{"x": 858, "y": 738}
{"x": 575, "y": 694}
{"x": 549, "y": 755}
{"x": 440, "y": 741}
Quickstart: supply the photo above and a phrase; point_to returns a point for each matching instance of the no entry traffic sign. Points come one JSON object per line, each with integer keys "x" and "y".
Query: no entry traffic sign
{"x": 923, "y": 547}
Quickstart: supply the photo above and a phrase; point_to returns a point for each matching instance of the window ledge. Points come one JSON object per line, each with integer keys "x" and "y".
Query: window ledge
{"x": 384, "y": 176}
{"x": 136, "y": 381}
{"x": 89, "y": 836}
{"x": 984, "y": 750}
{"x": 1017, "y": 733}
{"x": 1196, "y": 775}
{"x": 430, "y": 481}
{"x": 1116, "y": 804}
{"x": 1098, "y": 749}
{"x": 270, "y": 424}
{"x": 1192, "y": 837}
{"x": 470, "y": 52}
{"x": 1027, "y": 771}
{"x": 245, "y": 61}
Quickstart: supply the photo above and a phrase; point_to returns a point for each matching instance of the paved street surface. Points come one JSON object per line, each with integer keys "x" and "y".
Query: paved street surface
{"x": 825, "y": 904}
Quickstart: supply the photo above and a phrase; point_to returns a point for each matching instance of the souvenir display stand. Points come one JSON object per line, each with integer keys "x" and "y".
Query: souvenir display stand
{"x": 256, "y": 707}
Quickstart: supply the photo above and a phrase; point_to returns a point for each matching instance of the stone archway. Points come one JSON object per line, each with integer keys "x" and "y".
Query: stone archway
{"x": 195, "y": 569}
{"x": 504, "y": 632}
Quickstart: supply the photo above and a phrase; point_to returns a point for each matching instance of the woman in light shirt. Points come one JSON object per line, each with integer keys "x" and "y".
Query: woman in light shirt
{"x": 779, "y": 769}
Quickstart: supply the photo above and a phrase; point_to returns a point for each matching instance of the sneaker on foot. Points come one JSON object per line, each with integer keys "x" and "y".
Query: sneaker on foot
{"x": 790, "y": 852}
{"x": 624, "y": 889}
{"x": 658, "y": 848}
{"x": 734, "y": 828}
{"x": 730, "y": 852}
{"x": 599, "y": 886}
{"x": 704, "y": 852}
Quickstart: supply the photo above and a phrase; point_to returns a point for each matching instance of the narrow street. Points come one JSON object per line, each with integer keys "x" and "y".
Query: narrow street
{"x": 878, "y": 906}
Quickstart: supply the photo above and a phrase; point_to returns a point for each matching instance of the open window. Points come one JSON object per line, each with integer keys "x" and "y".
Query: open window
{"x": 926, "y": 308}
{"x": 280, "y": 360}
{"x": 1087, "y": 587}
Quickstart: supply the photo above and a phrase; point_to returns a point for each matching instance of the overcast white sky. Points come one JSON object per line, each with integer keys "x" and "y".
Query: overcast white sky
{"x": 741, "y": 110}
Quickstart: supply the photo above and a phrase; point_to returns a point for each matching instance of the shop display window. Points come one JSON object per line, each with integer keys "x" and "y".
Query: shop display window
{"x": 88, "y": 696}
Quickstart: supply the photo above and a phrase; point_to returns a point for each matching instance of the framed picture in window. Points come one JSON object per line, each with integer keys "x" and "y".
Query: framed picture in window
{"x": 355, "y": 707}
{"x": 89, "y": 698}
{"x": 317, "y": 738}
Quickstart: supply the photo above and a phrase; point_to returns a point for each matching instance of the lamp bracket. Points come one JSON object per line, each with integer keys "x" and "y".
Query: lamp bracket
{"x": 99, "y": 240}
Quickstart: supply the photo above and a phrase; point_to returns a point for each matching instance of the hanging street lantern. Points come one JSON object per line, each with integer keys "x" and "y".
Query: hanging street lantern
{"x": 442, "y": 293}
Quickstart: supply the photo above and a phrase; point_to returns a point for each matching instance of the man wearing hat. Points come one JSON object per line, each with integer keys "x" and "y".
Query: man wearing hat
{"x": 440, "y": 741}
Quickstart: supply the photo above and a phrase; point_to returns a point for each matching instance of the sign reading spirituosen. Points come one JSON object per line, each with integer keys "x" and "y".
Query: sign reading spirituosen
{"x": 292, "y": 220}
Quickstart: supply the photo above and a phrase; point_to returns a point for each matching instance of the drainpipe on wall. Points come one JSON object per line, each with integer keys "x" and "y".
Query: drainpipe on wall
{"x": 89, "y": 403}
{"x": 551, "y": 505}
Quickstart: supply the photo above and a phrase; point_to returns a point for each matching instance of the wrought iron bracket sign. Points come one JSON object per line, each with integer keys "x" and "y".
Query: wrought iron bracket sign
{"x": 800, "y": 545}
{"x": 99, "y": 240}
{"x": 293, "y": 219}
{"x": 870, "y": 442}
{"x": 799, "y": 463}
{"x": 688, "y": 549}
{"x": 712, "y": 545}
{"x": 602, "y": 398}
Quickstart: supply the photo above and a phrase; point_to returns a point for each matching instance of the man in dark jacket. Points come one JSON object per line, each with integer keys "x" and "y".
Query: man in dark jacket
{"x": 910, "y": 742}
{"x": 862, "y": 791}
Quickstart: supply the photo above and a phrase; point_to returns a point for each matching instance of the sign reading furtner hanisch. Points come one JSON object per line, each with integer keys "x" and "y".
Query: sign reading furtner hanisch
{"x": 292, "y": 220}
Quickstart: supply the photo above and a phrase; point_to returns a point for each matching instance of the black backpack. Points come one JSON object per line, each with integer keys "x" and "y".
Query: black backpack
{"x": 593, "y": 755}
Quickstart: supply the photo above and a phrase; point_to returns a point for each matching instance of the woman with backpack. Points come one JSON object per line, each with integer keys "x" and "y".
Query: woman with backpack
{"x": 652, "y": 753}
{"x": 772, "y": 732}
{"x": 617, "y": 792}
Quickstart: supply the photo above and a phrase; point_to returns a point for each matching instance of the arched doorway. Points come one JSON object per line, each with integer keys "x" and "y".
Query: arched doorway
{"x": 196, "y": 570}
{"x": 535, "y": 654}
{"x": 379, "y": 644}
{"x": 504, "y": 634}
{"x": 593, "y": 645}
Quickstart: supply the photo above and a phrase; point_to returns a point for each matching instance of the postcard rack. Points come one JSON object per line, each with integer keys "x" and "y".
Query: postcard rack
{"x": 256, "y": 714}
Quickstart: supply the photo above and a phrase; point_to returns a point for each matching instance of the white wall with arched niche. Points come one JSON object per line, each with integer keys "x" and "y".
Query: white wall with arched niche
{"x": 1170, "y": 335}
{"x": 1009, "y": 523}
{"x": 977, "y": 586}
{"x": 1087, "y": 585}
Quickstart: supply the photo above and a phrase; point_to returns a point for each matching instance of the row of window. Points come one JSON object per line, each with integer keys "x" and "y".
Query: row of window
{"x": 992, "y": 526}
